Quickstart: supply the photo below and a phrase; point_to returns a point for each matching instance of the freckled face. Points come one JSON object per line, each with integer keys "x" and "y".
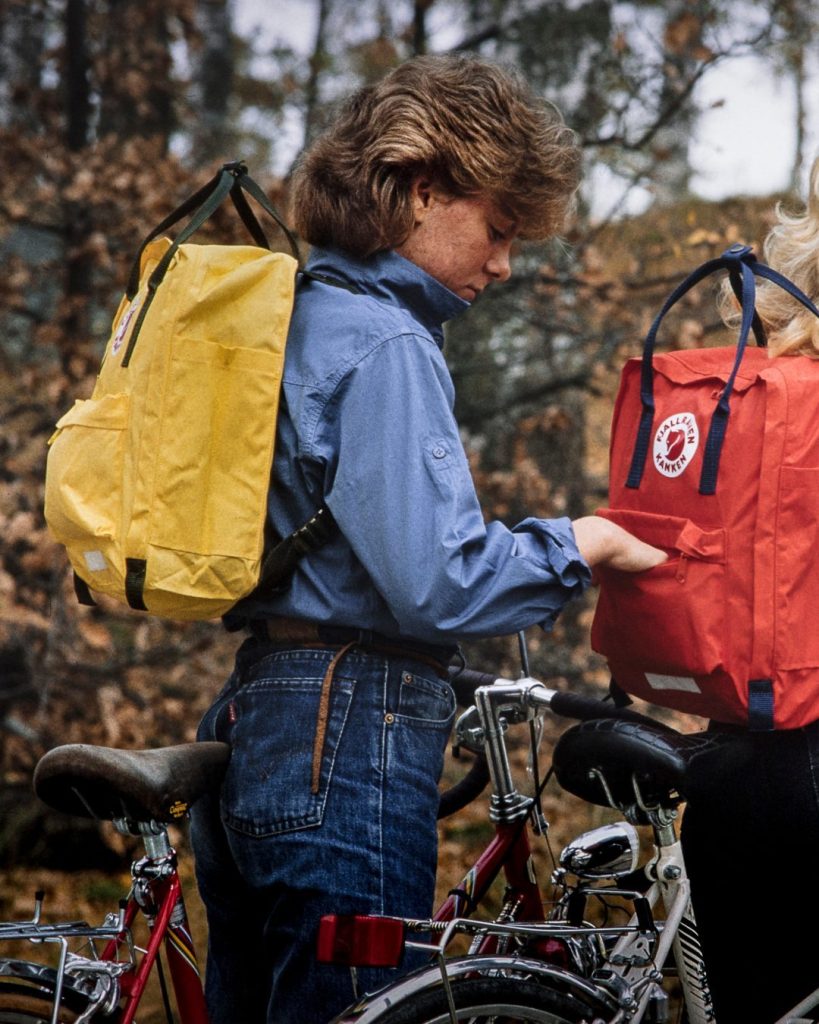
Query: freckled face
{"x": 463, "y": 242}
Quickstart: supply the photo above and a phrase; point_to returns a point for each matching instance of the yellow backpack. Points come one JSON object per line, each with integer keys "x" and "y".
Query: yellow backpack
{"x": 157, "y": 485}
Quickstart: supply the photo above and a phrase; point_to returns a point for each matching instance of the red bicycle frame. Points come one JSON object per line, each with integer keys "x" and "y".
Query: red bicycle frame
{"x": 157, "y": 894}
{"x": 509, "y": 850}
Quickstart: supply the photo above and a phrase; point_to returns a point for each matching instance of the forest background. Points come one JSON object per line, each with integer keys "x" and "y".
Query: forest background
{"x": 112, "y": 111}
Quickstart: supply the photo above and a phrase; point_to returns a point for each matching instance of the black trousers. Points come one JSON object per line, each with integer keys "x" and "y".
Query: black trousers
{"x": 751, "y": 845}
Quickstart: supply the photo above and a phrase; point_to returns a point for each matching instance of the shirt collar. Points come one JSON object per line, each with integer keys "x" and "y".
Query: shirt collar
{"x": 393, "y": 279}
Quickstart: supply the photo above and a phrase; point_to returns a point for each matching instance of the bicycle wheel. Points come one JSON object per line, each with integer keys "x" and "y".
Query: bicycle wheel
{"x": 34, "y": 1004}
{"x": 481, "y": 1000}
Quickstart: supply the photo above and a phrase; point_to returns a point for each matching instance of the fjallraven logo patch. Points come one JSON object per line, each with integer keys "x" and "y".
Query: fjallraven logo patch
{"x": 675, "y": 443}
{"x": 127, "y": 317}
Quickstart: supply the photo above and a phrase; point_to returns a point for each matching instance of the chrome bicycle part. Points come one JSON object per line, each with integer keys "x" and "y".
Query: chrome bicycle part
{"x": 606, "y": 852}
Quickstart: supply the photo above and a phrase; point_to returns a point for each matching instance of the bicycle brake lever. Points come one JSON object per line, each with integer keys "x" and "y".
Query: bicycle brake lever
{"x": 469, "y": 731}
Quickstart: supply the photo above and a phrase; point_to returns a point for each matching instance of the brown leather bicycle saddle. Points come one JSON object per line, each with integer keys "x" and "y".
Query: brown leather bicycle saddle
{"x": 140, "y": 785}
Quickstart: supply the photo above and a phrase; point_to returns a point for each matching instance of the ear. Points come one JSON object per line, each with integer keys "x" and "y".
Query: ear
{"x": 423, "y": 195}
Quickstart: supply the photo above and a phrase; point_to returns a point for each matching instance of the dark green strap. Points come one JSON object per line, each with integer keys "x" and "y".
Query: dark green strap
{"x": 247, "y": 184}
{"x": 135, "y": 569}
{"x": 281, "y": 559}
{"x": 220, "y": 184}
{"x": 248, "y": 218}
{"x": 83, "y": 592}
{"x": 232, "y": 180}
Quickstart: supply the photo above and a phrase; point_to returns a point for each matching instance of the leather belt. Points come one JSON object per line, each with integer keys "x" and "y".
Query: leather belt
{"x": 282, "y": 630}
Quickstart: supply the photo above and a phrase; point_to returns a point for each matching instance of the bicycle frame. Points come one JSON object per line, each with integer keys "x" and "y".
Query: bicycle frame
{"x": 121, "y": 970}
{"x": 509, "y": 850}
{"x": 157, "y": 893}
{"x": 672, "y": 889}
{"x": 634, "y": 951}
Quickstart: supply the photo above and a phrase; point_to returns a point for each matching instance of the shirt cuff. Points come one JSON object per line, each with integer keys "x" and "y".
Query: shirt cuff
{"x": 563, "y": 559}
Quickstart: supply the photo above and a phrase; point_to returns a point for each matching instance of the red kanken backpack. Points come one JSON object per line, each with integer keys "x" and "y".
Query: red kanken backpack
{"x": 715, "y": 459}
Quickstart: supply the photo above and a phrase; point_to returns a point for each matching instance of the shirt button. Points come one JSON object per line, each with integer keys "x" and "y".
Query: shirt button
{"x": 438, "y": 452}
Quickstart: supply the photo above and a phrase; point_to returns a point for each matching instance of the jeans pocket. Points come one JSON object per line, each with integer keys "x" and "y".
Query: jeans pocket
{"x": 425, "y": 702}
{"x": 267, "y": 788}
{"x": 418, "y": 735}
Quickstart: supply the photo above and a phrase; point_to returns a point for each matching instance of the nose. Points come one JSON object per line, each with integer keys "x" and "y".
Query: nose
{"x": 499, "y": 264}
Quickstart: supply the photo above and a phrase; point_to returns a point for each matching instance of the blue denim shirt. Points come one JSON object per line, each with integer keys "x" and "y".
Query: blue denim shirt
{"x": 366, "y": 424}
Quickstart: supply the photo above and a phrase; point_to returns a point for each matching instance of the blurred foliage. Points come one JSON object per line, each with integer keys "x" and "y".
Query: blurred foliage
{"x": 112, "y": 111}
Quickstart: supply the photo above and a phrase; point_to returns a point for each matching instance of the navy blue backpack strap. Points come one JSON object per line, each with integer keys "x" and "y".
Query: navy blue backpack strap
{"x": 743, "y": 268}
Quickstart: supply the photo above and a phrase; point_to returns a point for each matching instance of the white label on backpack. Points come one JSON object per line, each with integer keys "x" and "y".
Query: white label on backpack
{"x": 658, "y": 682}
{"x": 675, "y": 443}
{"x": 127, "y": 317}
{"x": 95, "y": 560}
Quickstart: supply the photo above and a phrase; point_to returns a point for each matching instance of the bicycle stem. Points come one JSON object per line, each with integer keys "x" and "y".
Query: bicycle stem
{"x": 507, "y": 803}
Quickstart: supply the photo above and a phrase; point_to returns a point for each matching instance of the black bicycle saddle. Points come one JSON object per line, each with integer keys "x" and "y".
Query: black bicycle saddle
{"x": 638, "y": 761}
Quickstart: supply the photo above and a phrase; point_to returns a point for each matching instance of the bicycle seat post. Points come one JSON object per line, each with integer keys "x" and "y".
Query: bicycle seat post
{"x": 157, "y": 843}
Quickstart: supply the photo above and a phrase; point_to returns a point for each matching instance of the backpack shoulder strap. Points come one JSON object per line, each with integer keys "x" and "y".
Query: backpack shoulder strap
{"x": 281, "y": 559}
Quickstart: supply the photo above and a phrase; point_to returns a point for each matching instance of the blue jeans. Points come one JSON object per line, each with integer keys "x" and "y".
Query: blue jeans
{"x": 272, "y": 856}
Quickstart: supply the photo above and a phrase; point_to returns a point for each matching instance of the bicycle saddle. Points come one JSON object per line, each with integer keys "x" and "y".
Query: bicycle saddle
{"x": 140, "y": 785}
{"x": 659, "y": 763}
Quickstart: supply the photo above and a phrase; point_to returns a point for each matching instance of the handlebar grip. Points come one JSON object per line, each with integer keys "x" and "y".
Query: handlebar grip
{"x": 574, "y": 705}
{"x": 465, "y": 791}
{"x": 465, "y": 681}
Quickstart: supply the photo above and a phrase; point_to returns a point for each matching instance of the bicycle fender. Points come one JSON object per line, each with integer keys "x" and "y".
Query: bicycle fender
{"x": 44, "y": 980}
{"x": 371, "y": 1005}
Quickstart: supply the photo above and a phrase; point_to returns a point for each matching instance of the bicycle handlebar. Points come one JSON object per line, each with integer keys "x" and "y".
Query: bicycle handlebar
{"x": 574, "y": 705}
{"x": 568, "y": 705}
{"x": 466, "y": 681}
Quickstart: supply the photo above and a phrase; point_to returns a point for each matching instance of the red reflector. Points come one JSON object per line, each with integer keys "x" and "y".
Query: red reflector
{"x": 553, "y": 951}
{"x": 357, "y": 940}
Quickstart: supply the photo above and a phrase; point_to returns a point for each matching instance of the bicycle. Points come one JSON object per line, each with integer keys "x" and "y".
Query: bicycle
{"x": 524, "y": 965}
{"x": 101, "y": 973}
{"x": 558, "y": 968}
{"x": 142, "y": 792}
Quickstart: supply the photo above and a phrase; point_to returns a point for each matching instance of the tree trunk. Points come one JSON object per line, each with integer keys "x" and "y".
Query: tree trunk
{"x": 800, "y": 86}
{"x": 683, "y": 38}
{"x": 135, "y": 86}
{"x": 213, "y": 137}
{"x": 419, "y": 26}
{"x": 22, "y": 41}
{"x": 317, "y": 62}
{"x": 77, "y": 92}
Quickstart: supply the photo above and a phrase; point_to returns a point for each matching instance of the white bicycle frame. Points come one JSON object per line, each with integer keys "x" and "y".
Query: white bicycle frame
{"x": 678, "y": 933}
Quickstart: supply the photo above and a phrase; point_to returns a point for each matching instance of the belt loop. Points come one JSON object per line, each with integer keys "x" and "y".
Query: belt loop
{"x": 323, "y": 714}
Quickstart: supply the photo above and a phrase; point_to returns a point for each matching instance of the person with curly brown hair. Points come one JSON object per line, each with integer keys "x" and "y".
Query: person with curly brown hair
{"x": 339, "y": 708}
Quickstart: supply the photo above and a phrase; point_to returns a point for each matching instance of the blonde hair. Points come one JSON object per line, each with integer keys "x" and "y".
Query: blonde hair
{"x": 792, "y": 248}
{"x": 473, "y": 127}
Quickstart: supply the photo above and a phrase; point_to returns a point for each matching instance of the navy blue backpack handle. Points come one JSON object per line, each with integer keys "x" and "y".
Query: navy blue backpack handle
{"x": 742, "y": 266}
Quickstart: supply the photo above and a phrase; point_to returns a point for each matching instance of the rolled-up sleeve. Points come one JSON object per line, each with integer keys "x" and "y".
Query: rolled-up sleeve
{"x": 399, "y": 486}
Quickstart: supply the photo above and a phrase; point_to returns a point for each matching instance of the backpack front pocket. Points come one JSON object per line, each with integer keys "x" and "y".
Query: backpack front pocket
{"x": 84, "y": 499}
{"x": 669, "y": 619}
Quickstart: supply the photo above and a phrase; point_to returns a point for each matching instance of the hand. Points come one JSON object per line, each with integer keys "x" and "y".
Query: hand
{"x": 602, "y": 542}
